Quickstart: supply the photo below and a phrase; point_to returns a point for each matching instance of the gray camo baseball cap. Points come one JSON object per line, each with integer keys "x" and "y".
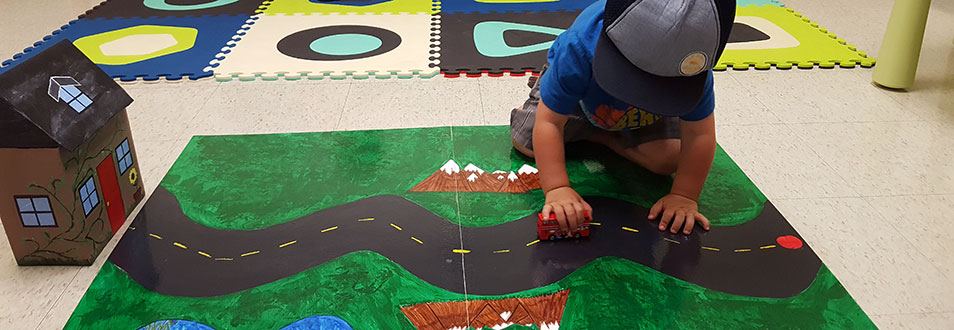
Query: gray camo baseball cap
{"x": 654, "y": 54}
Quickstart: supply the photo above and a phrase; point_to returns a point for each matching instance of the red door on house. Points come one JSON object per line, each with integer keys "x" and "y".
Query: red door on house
{"x": 114, "y": 199}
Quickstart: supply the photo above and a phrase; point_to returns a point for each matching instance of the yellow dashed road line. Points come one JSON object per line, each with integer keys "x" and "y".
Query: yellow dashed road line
{"x": 179, "y": 245}
{"x": 205, "y": 254}
{"x": 711, "y": 248}
{"x": 595, "y": 224}
{"x": 767, "y": 247}
{"x": 670, "y": 240}
{"x": 132, "y": 228}
{"x": 396, "y": 227}
{"x": 366, "y": 219}
{"x": 223, "y": 259}
{"x": 631, "y": 229}
{"x": 534, "y": 242}
{"x": 461, "y": 251}
{"x": 501, "y": 251}
{"x": 417, "y": 240}
{"x": 246, "y": 254}
{"x": 287, "y": 244}
{"x": 742, "y": 250}
{"x": 155, "y": 236}
{"x": 329, "y": 229}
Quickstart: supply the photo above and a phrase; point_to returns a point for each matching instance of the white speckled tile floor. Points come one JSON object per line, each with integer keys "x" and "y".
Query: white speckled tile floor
{"x": 866, "y": 175}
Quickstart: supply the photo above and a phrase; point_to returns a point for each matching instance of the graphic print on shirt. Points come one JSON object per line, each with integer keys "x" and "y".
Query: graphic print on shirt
{"x": 613, "y": 119}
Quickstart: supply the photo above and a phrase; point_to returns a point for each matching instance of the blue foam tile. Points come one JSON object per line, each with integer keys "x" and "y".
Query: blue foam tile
{"x": 213, "y": 34}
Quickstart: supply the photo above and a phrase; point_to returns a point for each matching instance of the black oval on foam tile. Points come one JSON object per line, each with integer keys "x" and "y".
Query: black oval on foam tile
{"x": 298, "y": 44}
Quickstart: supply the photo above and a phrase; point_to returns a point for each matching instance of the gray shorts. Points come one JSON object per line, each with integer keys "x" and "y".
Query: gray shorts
{"x": 578, "y": 128}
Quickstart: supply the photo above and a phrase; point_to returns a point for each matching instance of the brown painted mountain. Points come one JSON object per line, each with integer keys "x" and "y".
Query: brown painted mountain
{"x": 450, "y": 177}
{"x": 544, "y": 312}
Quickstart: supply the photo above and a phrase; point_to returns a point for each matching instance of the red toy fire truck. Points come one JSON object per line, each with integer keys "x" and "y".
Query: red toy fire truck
{"x": 549, "y": 229}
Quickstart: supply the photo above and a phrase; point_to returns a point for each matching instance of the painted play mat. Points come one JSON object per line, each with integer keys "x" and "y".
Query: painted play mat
{"x": 435, "y": 228}
{"x": 318, "y": 39}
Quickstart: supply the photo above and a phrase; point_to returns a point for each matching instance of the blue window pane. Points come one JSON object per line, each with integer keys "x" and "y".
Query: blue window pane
{"x": 42, "y": 204}
{"x": 25, "y": 204}
{"x": 77, "y": 106}
{"x": 119, "y": 150}
{"x": 90, "y": 186}
{"x": 72, "y": 91}
{"x": 88, "y": 195}
{"x": 46, "y": 219}
{"x": 84, "y": 100}
{"x": 29, "y": 219}
{"x": 122, "y": 166}
{"x": 128, "y": 160}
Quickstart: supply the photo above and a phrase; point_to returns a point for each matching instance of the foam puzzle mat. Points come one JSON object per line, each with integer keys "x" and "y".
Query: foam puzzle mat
{"x": 249, "y": 39}
{"x": 284, "y": 46}
{"x": 389, "y": 229}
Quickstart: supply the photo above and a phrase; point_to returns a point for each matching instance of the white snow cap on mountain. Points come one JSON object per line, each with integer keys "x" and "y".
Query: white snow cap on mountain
{"x": 551, "y": 326}
{"x": 472, "y": 177}
{"x": 450, "y": 167}
{"x": 527, "y": 169}
{"x": 500, "y": 177}
{"x": 512, "y": 176}
{"x": 502, "y": 326}
{"x": 505, "y": 315}
{"x": 498, "y": 172}
{"x": 473, "y": 168}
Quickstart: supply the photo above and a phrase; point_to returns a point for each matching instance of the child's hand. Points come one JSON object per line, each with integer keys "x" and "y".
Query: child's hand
{"x": 569, "y": 207}
{"x": 682, "y": 211}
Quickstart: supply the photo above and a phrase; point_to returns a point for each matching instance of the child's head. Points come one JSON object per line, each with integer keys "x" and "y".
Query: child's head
{"x": 653, "y": 53}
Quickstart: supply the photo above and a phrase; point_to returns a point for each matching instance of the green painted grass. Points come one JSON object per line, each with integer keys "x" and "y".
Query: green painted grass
{"x": 366, "y": 290}
{"x": 245, "y": 182}
{"x": 255, "y": 181}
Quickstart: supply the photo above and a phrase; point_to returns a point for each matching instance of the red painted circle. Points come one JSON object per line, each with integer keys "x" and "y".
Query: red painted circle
{"x": 789, "y": 242}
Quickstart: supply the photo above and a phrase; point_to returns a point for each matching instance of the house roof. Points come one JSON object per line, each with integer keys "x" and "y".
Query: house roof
{"x": 28, "y": 97}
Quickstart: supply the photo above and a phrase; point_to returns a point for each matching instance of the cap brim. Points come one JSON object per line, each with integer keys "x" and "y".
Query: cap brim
{"x": 664, "y": 96}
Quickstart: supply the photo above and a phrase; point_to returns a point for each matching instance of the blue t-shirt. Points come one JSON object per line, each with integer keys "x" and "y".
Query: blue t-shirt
{"x": 569, "y": 83}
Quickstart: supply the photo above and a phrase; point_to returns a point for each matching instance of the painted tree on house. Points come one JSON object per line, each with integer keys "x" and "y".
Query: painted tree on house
{"x": 86, "y": 234}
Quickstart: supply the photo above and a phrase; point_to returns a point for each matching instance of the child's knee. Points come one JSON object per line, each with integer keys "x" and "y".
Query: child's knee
{"x": 662, "y": 156}
{"x": 663, "y": 166}
{"x": 522, "y": 149}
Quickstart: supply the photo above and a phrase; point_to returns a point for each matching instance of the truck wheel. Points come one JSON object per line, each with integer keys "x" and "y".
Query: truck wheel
{"x": 551, "y": 237}
{"x": 577, "y": 235}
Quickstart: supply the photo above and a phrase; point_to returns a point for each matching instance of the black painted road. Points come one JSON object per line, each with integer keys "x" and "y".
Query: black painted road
{"x": 168, "y": 253}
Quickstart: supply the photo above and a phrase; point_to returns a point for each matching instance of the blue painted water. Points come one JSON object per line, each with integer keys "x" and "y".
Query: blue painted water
{"x": 316, "y": 322}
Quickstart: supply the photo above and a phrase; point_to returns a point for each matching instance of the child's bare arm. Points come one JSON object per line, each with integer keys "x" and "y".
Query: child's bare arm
{"x": 695, "y": 161}
{"x": 569, "y": 207}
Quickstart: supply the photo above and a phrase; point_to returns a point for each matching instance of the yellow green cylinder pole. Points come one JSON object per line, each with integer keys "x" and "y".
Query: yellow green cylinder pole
{"x": 901, "y": 47}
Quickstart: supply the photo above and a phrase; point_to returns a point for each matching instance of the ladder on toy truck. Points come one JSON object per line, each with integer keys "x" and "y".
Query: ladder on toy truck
{"x": 549, "y": 229}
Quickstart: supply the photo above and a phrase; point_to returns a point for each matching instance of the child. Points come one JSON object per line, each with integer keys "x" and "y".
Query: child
{"x": 633, "y": 75}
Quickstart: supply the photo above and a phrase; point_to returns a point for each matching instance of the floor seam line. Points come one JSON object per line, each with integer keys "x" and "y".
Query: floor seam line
{"x": 344, "y": 107}
{"x": 480, "y": 99}
{"x": 58, "y": 298}
{"x": 196, "y": 114}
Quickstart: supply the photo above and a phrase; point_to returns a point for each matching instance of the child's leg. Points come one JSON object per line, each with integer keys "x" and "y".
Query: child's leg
{"x": 658, "y": 156}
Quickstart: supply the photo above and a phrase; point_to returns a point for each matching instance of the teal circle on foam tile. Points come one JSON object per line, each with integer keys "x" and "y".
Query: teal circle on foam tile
{"x": 345, "y": 44}
{"x": 163, "y": 5}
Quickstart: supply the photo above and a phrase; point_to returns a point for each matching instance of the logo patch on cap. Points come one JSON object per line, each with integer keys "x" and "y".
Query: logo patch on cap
{"x": 692, "y": 64}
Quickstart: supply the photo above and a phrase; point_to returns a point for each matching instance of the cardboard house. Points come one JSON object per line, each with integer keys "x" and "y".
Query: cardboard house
{"x": 69, "y": 174}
